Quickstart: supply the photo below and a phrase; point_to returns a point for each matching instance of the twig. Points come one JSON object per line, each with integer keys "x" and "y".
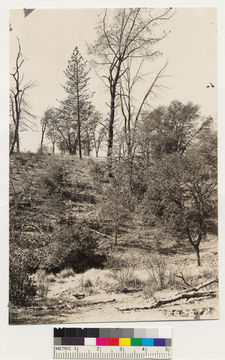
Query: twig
{"x": 181, "y": 276}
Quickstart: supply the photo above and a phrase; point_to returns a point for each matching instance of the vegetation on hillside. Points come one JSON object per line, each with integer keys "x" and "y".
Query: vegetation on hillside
{"x": 153, "y": 191}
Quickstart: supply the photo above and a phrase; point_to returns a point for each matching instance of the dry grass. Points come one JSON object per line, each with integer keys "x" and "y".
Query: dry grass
{"x": 66, "y": 273}
{"x": 51, "y": 277}
{"x": 86, "y": 284}
{"x": 126, "y": 277}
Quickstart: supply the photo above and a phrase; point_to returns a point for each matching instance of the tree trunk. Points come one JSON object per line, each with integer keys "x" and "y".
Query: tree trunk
{"x": 53, "y": 148}
{"x": 96, "y": 153}
{"x": 195, "y": 244}
{"x": 78, "y": 123}
{"x": 110, "y": 132}
{"x": 198, "y": 255}
{"x": 110, "y": 129}
{"x": 17, "y": 144}
{"x": 79, "y": 137}
{"x": 42, "y": 136}
{"x": 88, "y": 148}
{"x": 15, "y": 137}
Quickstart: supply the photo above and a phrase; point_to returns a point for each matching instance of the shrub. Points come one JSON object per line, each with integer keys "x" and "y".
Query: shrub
{"x": 56, "y": 180}
{"x": 113, "y": 262}
{"x": 72, "y": 247}
{"x": 88, "y": 284}
{"x": 99, "y": 172}
{"x": 21, "y": 287}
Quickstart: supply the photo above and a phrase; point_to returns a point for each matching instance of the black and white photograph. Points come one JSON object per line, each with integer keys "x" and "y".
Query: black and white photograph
{"x": 113, "y": 187}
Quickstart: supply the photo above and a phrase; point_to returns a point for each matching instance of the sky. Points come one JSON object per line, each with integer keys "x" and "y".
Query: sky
{"x": 48, "y": 37}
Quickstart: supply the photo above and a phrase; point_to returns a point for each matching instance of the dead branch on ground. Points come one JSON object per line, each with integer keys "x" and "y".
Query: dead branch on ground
{"x": 186, "y": 294}
{"x": 199, "y": 287}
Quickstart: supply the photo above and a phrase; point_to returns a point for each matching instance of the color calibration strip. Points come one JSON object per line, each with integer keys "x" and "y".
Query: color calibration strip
{"x": 154, "y": 343}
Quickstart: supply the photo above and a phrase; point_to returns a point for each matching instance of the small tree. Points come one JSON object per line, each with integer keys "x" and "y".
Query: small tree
{"x": 181, "y": 196}
{"x": 66, "y": 125}
{"x": 95, "y": 130}
{"x": 118, "y": 202}
{"x": 48, "y": 126}
{"x": 114, "y": 210}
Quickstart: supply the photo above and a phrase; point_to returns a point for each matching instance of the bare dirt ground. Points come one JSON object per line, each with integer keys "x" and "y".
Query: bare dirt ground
{"x": 69, "y": 300}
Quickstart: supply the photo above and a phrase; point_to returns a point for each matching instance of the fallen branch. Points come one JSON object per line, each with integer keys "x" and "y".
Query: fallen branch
{"x": 184, "y": 296}
{"x": 70, "y": 304}
{"x": 89, "y": 303}
{"x": 176, "y": 298}
{"x": 199, "y": 287}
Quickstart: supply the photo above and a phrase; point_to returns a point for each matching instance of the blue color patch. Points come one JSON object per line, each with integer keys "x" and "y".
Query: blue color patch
{"x": 147, "y": 342}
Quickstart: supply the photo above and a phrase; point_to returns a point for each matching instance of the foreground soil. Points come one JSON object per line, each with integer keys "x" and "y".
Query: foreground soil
{"x": 106, "y": 300}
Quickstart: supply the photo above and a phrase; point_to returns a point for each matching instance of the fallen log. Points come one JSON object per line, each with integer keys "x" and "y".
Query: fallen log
{"x": 159, "y": 303}
{"x": 90, "y": 303}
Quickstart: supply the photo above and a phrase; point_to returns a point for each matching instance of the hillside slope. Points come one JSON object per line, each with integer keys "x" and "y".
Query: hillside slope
{"x": 52, "y": 195}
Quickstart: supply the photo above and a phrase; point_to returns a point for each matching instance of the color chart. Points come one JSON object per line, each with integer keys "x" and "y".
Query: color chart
{"x": 112, "y": 343}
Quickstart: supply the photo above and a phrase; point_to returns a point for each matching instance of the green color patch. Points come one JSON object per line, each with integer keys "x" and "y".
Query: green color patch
{"x": 136, "y": 342}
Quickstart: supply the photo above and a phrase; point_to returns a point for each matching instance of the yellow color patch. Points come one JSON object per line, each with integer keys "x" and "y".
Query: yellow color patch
{"x": 124, "y": 342}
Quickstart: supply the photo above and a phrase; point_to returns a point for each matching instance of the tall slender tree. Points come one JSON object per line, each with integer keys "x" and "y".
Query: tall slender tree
{"x": 121, "y": 35}
{"x": 77, "y": 88}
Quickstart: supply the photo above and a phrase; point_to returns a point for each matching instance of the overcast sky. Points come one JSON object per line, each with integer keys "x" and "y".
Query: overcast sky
{"x": 48, "y": 38}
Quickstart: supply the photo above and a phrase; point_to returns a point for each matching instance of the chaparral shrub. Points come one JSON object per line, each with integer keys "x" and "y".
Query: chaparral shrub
{"x": 21, "y": 286}
{"x": 71, "y": 247}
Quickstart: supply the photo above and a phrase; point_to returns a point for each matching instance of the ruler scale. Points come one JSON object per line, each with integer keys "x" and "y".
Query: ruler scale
{"x": 113, "y": 343}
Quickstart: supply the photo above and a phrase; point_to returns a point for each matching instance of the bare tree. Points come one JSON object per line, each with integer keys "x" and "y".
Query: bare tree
{"x": 131, "y": 112}
{"x": 19, "y": 106}
{"x": 130, "y": 34}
